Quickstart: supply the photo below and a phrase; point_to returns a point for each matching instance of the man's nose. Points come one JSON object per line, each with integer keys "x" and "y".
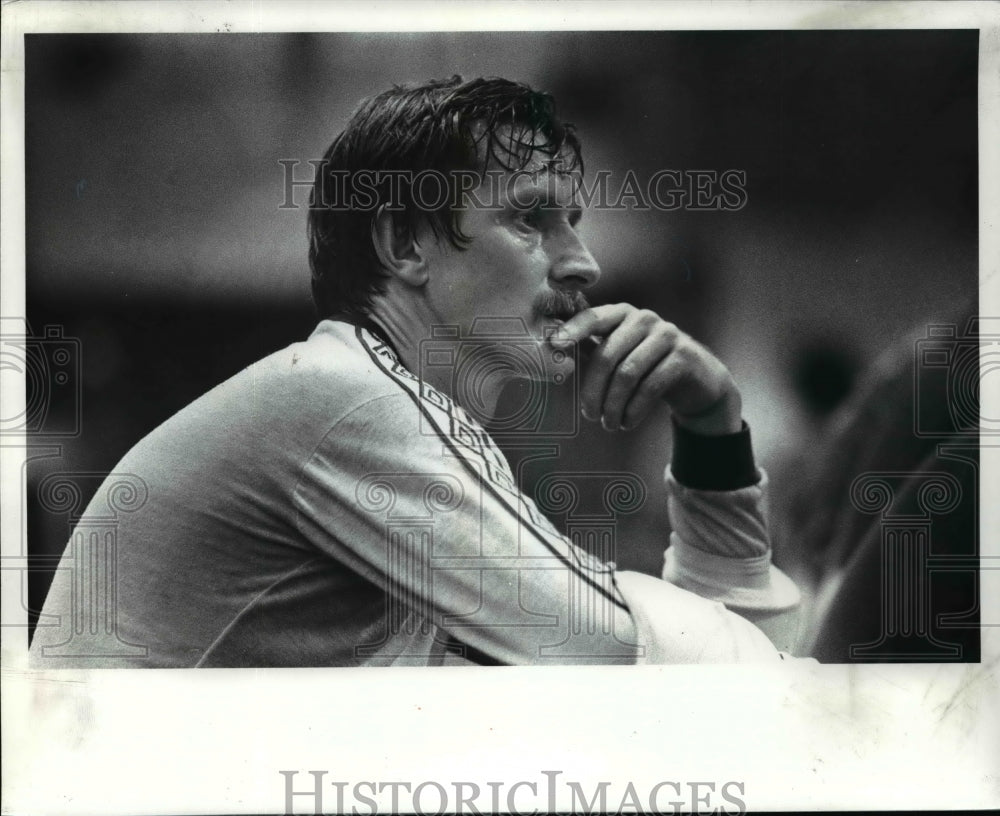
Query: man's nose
{"x": 573, "y": 266}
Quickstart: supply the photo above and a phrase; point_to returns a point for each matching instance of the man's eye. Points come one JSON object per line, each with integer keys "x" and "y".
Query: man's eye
{"x": 530, "y": 218}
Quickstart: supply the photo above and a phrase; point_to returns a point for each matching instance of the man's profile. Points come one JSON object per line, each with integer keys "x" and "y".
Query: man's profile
{"x": 341, "y": 503}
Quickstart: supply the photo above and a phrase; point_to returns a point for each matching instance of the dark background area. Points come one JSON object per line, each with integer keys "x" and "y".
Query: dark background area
{"x": 155, "y": 234}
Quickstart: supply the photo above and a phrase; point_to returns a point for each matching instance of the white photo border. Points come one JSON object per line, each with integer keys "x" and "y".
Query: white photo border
{"x": 799, "y": 738}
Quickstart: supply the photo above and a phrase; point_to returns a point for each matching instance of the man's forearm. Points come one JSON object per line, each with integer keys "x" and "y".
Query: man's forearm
{"x": 720, "y": 548}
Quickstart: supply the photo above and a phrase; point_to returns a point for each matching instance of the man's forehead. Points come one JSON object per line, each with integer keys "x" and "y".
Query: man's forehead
{"x": 520, "y": 165}
{"x": 543, "y": 175}
{"x": 513, "y": 148}
{"x": 543, "y": 165}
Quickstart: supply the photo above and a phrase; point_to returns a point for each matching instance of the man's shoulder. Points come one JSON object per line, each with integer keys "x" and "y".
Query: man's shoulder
{"x": 339, "y": 363}
{"x": 336, "y": 383}
{"x": 355, "y": 373}
{"x": 373, "y": 399}
{"x": 293, "y": 396}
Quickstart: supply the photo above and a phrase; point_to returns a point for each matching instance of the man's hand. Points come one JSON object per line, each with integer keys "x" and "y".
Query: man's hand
{"x": 642, "y": 358}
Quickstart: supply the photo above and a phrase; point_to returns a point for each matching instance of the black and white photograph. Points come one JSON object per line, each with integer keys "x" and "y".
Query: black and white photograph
{"x": 500, "y": 407}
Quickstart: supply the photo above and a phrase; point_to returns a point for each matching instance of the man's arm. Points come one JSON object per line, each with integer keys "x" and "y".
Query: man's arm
{"x": 720, "y": 547}
{"x": 411, "y": 497}
{"x": 430, "y": 513}
{"x": 455, "y": 543}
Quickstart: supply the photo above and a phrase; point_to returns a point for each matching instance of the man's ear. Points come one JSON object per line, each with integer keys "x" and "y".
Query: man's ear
{"x": 397, "y": 249}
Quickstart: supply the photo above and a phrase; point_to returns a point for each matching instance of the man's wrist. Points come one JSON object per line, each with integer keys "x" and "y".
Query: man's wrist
{"x": 722, "y": 418}
{"x": 713, "y": 462}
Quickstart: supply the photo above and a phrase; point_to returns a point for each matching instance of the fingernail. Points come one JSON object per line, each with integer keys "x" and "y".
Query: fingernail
{"x": 559, "y": 339}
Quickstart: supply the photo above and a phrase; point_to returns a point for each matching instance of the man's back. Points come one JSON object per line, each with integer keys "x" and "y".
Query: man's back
{"x": 325, "y": 507}
{"x": 213, "y": 569}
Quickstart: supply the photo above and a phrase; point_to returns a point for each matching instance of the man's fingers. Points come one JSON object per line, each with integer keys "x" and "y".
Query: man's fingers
{"x": 631, "y": 377}
{"x": 639, "y": 358}
{"x": 597, "y": 320}
{"x": 604, "y": 367}
{"x": 604, "y": 362}
{"x": 664, "y": 377}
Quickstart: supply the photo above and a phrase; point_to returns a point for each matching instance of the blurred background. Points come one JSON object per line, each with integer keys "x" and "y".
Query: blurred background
{"x": 156, "y": 235}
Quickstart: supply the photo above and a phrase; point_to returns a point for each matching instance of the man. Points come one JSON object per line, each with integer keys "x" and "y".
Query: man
{"x": 340, "y": 502}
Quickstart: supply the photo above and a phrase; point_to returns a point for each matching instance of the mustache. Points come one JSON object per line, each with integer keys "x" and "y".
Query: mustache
{"x": 560, "y": 303}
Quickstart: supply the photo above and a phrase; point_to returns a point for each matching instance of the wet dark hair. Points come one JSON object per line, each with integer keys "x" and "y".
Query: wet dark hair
{"x": 441, "y": 125}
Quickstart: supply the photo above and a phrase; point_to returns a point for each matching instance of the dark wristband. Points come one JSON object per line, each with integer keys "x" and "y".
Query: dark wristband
{"x": 714, "y": 462}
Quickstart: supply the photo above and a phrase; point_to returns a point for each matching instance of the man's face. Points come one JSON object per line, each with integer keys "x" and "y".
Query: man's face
{"x": 525, "y": 266}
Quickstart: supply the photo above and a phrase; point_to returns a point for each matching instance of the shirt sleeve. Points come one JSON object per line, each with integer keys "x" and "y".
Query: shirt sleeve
{"x": 432, "y": 516}
{"x": 436, "y": 521}
{"x": 720, "y": 548}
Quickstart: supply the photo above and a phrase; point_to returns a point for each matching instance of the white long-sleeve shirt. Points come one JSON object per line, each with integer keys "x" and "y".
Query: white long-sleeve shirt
{"x": 325, "y": 507}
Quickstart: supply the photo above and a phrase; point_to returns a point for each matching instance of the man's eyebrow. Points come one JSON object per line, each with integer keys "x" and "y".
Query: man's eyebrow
{"x": 526, "y": 201}
{"x": 531, "y": 192}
